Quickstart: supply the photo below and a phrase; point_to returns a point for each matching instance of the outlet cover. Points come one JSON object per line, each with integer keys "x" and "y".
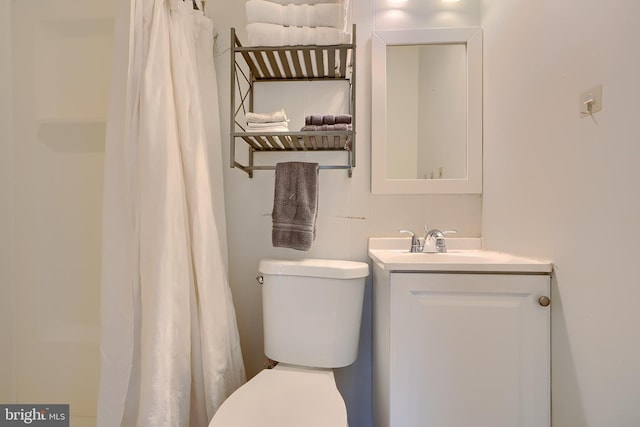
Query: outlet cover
{"x": 590, "y": 101}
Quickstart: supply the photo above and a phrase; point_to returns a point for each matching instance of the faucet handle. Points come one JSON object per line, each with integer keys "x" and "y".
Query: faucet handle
{"x": 441, "y": 247}
{"x": 434, "y": 240}
{"x": 415, "y": 241}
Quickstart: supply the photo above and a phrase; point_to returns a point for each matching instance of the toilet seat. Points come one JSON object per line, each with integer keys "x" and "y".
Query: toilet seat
{"x": 286, "y": 396}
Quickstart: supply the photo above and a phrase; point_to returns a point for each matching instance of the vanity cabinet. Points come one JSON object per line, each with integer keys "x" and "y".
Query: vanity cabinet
{"x": 461, "y": 349}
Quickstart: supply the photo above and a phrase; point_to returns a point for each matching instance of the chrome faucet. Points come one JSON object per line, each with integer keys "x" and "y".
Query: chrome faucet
{"x": 434, "y": 241}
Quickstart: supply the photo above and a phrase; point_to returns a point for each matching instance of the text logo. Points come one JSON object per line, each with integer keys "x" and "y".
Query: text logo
{"x": 34, "y": 415}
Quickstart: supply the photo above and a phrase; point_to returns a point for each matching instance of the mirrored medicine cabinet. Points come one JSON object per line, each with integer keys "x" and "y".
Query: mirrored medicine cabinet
{"x": 427, "y": 111}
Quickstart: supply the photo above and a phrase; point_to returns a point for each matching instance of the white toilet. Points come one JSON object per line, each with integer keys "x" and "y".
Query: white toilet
{"x": 311, "y": 310}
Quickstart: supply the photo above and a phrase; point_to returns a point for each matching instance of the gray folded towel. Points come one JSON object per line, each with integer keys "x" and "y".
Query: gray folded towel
{"x": 327, "y": 119}
{"x": 326, "y": 128}
{"x": 295, "y": 205}
{"x": 314, "y": 119}
{"x": 343, "y": 118}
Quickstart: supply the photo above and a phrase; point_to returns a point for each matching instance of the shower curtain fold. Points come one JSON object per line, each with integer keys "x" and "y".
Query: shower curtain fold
{"x": 170, "y": 349}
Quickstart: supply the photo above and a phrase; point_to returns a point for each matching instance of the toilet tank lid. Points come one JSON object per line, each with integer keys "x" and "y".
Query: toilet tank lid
{"x": 327, "y": 268}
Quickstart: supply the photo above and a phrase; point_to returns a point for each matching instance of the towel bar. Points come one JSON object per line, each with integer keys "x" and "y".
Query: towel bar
{"x": 249, "y": 169}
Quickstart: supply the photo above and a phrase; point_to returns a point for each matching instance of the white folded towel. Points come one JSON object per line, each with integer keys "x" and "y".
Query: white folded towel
{"x": 276, "y": 116}
{"x": 304, "y": 15}
{"x": 271, "y": 128}
{"x": 254, "y": 125}
{"x": 261, "y": 34}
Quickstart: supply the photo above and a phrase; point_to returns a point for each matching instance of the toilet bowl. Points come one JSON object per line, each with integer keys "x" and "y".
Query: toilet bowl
{"x": 311, "y": 317}
{"x": 285, "y": 396}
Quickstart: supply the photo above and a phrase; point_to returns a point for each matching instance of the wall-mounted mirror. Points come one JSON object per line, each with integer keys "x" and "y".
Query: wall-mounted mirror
{"x": 427, "y": 111}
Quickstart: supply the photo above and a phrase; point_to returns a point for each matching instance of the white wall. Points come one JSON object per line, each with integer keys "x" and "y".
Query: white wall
{"x": 566, "y": 188}
{"x": 390, "y": 14}
{"x": 51, "y": 160}
{"x": 348, "y": 212}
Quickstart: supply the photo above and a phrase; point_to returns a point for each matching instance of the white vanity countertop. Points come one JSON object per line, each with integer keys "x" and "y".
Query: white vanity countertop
{"x": 463, "y": 255}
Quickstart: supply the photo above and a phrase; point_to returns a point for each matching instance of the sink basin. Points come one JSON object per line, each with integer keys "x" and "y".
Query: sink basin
{"x": 451, "y": 256}
{"x": 464, "y": 255}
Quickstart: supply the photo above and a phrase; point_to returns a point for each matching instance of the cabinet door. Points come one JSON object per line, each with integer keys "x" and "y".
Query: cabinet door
{"x": 469, "y": 350}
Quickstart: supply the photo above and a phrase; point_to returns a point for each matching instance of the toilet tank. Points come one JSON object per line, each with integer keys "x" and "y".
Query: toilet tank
{"x": 312, "y": 310}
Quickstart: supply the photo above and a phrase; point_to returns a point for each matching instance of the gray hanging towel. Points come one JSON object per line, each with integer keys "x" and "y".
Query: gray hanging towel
{"x": 295, "y": 205}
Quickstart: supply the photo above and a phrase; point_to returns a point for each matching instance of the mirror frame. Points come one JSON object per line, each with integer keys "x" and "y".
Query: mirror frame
{"x": 472, "y": 38}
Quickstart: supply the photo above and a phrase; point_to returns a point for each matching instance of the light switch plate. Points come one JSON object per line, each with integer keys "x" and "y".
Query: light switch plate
{"x": 591, "y": 101}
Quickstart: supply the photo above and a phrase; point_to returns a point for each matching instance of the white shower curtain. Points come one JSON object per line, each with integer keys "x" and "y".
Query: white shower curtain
{"x": 170, "y": 352}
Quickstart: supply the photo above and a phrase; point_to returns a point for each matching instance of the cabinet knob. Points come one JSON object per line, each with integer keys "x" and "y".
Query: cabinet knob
{"x": 544, "y": 301}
